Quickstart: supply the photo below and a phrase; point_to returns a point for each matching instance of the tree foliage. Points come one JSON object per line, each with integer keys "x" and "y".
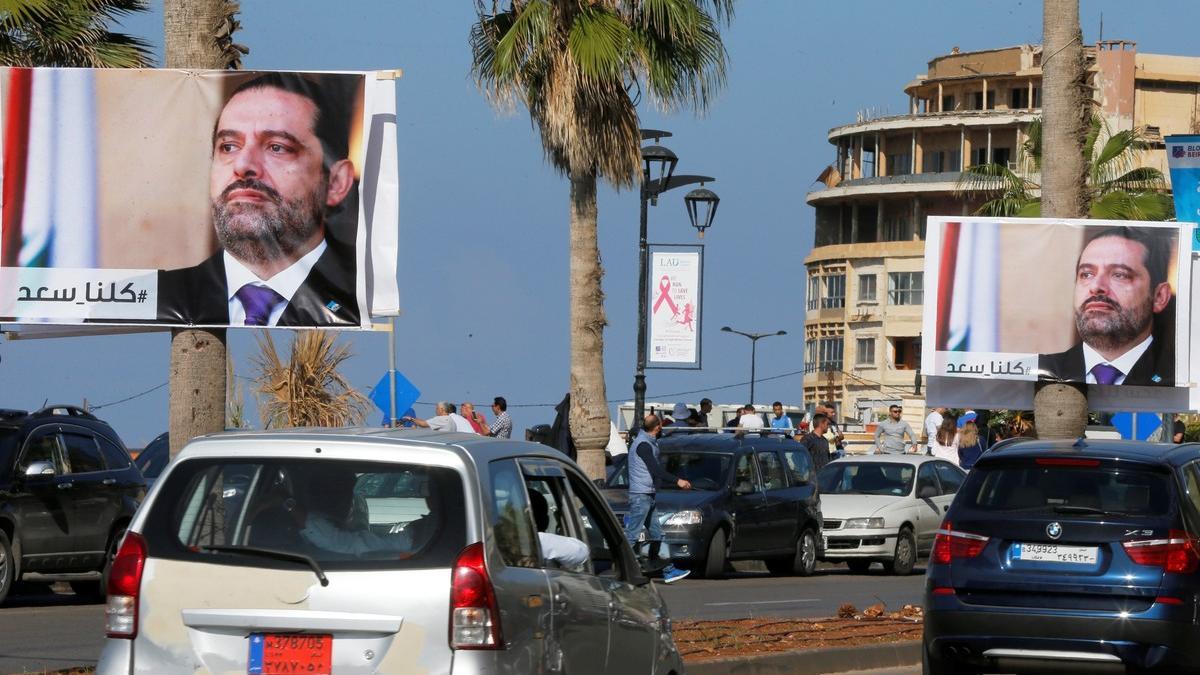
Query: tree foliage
{"x": 306, "y": 390}
{"x": 70, "y": 33}
{"x": 1117, "y": 188}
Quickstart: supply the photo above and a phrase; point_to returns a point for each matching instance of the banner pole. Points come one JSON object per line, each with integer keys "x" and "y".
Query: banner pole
{"x": 392, "y": 372}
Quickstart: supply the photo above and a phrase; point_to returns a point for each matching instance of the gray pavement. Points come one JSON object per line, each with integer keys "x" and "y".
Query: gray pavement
{"x": 48, "y": 628}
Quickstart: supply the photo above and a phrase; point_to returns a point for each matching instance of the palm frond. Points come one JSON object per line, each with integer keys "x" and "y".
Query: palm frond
{"x": 1121, "y": 205}
{"x": 306, "y": 390}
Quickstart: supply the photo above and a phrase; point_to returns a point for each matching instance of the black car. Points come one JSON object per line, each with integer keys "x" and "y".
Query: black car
{"x": 1074, "y": 555}
{"x": 753, "y": 497}
{"x": 68, "y": 489}
{"x": 154, "y": 458}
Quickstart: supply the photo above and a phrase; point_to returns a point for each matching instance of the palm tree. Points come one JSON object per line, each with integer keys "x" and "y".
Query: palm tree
{"x": 306, "y": 390}
{"x": 1116, "y": 188}
{"x": 69, "y": 33}
{"x": 573, "y": 64}
{"x": 198, "y": 34}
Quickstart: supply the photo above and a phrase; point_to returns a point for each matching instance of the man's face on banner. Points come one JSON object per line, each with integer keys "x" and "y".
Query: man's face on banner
{"x": 1114, "y": 298}
{"x": 267, "y": 184}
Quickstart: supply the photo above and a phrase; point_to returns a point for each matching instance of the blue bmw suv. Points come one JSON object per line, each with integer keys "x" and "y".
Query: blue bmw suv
{"x": 1079, "y": 556}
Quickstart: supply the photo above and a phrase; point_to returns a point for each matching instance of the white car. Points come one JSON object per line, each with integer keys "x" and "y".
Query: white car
{"x": 884, "y": 508}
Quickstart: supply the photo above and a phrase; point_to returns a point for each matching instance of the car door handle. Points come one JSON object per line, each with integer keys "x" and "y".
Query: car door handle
{"x": 65, "y": 486}
{"x": 109, "y": 481}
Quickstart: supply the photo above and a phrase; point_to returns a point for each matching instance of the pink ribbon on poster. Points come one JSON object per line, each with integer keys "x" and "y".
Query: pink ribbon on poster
{"x": 664, "y": 291}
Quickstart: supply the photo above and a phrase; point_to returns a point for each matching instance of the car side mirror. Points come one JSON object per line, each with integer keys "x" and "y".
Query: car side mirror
{"x": 39, "y": 469}
{"x": 927, "y": 492}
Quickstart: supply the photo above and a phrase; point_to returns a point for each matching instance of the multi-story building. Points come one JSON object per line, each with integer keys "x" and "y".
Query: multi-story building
{"x": 865, "y": 280}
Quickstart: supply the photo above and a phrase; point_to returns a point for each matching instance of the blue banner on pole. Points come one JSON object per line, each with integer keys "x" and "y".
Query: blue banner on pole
{"x": 406, "y": 395}
{"x": 1183, "y": 158}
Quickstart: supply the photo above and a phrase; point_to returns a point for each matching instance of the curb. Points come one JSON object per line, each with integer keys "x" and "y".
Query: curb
{"x": 814, "y": 661}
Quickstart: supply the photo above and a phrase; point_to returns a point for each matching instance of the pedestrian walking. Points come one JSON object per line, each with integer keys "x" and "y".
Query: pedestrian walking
{"x": 645, "y": 475}
{"x": 890, "y": 433}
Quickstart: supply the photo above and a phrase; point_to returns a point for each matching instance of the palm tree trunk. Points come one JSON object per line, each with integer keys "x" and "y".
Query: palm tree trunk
{"x": 198, "y": 356}
{"x": 1060, "y": 410}
{"x": 589, "y": 401}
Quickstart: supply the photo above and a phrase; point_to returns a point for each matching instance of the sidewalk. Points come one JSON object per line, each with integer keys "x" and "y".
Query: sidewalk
{"x": 814, "y": 661}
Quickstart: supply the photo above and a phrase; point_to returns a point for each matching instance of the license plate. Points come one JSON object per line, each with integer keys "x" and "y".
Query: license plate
{"x": 1079, "y": 555}
{"x": 280, "y": 653}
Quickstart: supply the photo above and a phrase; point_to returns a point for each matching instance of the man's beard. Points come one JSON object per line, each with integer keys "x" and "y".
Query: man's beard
{"x": 1110, "y": 330}
{"x": 258, "y": 233}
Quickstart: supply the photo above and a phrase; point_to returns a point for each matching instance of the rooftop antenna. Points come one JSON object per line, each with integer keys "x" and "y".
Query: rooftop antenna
{"x": 1101, "y": 39}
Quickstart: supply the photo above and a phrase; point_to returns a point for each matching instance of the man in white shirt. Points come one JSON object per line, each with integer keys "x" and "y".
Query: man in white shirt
{"x": 445, "y": 419}
{"x": 279, "y": 162}
{"x": 932, "y": 422}
{"x": 1121, "y": 287}
{"x": 750, "y": 419}
{"x": 565, "y": 552}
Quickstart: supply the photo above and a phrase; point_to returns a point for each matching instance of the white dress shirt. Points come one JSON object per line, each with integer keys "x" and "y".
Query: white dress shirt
{"x": 1124, "y": 363}
{"x": 568, "y": 552}
{"x": 285, "y": 283}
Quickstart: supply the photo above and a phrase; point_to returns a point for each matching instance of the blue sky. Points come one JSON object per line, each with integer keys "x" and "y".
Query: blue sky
{"x": 483, "y": 219}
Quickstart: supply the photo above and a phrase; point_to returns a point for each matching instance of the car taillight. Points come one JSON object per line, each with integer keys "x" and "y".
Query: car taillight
{"x": 1178, "y": 553}
{"x": 124, "y": 586}
{"x": 474, "y": 615}
{"x": 949, "y": 544}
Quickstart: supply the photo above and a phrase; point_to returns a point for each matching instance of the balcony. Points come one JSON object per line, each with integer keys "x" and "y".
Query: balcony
{"x": 935, "y": 120}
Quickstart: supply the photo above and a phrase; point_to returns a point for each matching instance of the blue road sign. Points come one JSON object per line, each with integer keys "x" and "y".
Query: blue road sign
{"x": 1147, "y": 423}
{"x": 406, "y": 395}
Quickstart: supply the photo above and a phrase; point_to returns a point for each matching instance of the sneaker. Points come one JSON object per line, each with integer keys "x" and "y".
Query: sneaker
{"x": 671, "y": 574}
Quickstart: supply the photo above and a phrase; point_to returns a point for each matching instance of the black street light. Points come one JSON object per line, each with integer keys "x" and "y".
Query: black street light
{"x": 658, "y": 176}
{"x": 754, "y": 338}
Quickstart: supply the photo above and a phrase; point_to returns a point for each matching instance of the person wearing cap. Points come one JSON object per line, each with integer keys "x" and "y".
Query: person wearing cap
{"x": 970, "y": 445}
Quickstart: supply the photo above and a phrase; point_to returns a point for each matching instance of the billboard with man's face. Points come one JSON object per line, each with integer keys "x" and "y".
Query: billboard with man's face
{"x": 193, "y": 198}
{"x": 1086, "y": 301}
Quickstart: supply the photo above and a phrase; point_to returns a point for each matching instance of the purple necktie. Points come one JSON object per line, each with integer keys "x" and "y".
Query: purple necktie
{"x": 258, "y": 301}
{"x": 1106, "y": 374}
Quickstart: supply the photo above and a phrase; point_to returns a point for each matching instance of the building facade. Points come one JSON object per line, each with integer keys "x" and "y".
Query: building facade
{"x": 865, "y": 282}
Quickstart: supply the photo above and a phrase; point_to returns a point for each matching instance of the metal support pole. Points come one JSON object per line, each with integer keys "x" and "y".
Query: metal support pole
{"x": 639, "y": 378}
{"x": 392, "y": 373}
{"x": 753, "y": 360}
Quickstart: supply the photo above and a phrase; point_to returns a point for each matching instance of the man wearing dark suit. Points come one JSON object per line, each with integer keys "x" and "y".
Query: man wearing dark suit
{"x": 1120, "y": 288}
{"x": 279, "y": 162}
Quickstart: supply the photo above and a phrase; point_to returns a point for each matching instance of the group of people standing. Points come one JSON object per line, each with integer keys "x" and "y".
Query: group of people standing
{"x": 448, "y": 418}
{"x": 963, "y": 438}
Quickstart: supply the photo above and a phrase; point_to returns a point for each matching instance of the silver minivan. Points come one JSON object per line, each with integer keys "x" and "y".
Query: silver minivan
{"x": 377, "y": 551}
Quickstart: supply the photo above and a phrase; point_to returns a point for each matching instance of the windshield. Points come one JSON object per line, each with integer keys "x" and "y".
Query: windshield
{"x": 705, "y": 470}
{"x": 866, "y": 478}
{"x": 152, "y": 460}
{"x": 342, "y": 515}
{"x": 1068, "y": 489}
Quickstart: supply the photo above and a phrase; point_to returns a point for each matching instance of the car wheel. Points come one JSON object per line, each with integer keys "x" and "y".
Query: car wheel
{"x": 714, "y": 563}
{"x": 859, "y": 566}
{"x": 805, "y": 561}
{"x": 7, "y": 566}
{"x": 905, "y": 559}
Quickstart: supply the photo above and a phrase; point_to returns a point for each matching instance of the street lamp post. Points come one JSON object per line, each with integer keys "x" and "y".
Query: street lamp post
{"x": 754, "y": 338}
{"x": 658, "y": 176}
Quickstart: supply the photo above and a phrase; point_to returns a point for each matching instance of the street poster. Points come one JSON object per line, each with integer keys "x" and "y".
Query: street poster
{"x": 1183, "y": 161}
{"x": 171, "y": 198}
{"x": 1088, "y": 301}
{"x": 674, "y": 301}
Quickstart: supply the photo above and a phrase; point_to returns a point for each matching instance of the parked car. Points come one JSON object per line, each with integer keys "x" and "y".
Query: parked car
{"x": 1077, "y": 555}
{"x": 753, "y": 496}
{"x": 68, "y": 489}
{"x": 154, "y": 457}
{"x": 884, "y": 508}
{"x": 377, "y": 551}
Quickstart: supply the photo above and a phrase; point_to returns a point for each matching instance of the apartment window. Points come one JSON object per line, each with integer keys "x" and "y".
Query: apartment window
{"x": 829, "y": 353}
{"x": 868, "y": 160}
{"x": 895, "y": 228}
{"x": 814, "y": 292}
{"x": 906, "y": 353}
{"x": 906, "y": 288}
{"x": 1037, "y": 97}
{"x": 864, "y": 352}
{"x": 979, "y": 156}
{"x": 939, "y": 161}
{"x": 980, "y": 104}
{"x": 948, "y": 103}
{"x": 899, "y": 165}
{"x": 866, "y": 287}
{"x": 1019, "y": 98}
{"x": 1001, "y": 156}
{"x": 835, "y": 291}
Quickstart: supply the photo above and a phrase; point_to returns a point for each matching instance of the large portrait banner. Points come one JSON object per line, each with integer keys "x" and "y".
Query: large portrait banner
{"x": 197, "y": 198}
{"x": 675, "y": 291}
{"x": 1105, "y": 303}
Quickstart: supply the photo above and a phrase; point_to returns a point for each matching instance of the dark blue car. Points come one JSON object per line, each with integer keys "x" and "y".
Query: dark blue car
{"x": 1076, "y": 555}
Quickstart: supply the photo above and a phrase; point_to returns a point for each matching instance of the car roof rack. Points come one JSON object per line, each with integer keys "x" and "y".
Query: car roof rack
{"x": 764, "y": 431}
{"x": 64, "y": 410}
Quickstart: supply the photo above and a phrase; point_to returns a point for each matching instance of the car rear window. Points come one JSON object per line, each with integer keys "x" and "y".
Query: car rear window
{"x": 344, "y": 515}
{"x": 1028, "y": 486}
{"x": 866, "y": 478}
